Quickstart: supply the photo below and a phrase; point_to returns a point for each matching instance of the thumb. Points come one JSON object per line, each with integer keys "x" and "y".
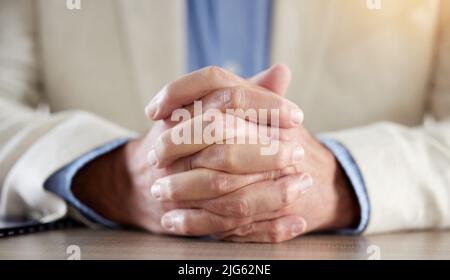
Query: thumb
{"x": 276, "y": 79}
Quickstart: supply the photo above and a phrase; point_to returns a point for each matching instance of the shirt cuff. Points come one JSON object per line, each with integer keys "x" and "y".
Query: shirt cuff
{"x": 60, "y": 182}
{"x": 354, "y": 175}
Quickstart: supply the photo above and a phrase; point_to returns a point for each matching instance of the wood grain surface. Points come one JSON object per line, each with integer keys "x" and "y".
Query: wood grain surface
{"x": 106, "y": 244}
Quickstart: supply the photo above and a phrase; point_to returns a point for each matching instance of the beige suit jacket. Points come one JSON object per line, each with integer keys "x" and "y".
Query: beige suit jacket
{"x": 72, "y": 80}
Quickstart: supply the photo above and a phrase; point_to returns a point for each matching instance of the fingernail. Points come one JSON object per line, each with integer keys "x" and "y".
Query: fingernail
{"x": 297, "y": 228}
{"x": 306, "y": 182}
{"x": 150, "y": 110}
{"x": 161, "y": 190}
{"x": 298, "y": 154}
{"x": 296, "y": 117}
{"x": 151, "y": 157}
{"x": 167, "y": 222}
{"x": 152, "y": 107}
{"x": 156, "y": 191}
{"x": 171, "y": 221}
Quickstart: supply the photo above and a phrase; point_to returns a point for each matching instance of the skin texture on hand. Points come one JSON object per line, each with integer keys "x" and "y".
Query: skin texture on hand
{"x": 117, "y": 185}
{"x": 329, "y": 205}
{"x": 265, "y": 201}
{"x": 113, "y": 183}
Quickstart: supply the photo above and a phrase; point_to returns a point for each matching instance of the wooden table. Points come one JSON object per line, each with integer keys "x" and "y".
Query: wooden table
{"x": 105, "y": 244}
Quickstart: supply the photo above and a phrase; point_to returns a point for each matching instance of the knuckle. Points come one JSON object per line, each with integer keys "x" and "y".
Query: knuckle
{"x": 228, "y": 162}
{"x": 240, "y": 208}
{"x": 272, "y": 174}
{"x": 237, "y": 208}
{"x": 247, "y": 229}
{"x": 285, "y": 211}
{"x": 214, "y": 73}
{"x": 216, "y": 223}
{"x": 189, "y": 163}
{"x": 290, "y": 170}
{"x": 219, "y": 183}
{"x": 236, "y": 97}
{"x": 221, "y": 224}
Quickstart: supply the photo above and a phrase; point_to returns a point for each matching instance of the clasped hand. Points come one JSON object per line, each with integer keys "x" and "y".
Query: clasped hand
{"x": 230, "y": 191}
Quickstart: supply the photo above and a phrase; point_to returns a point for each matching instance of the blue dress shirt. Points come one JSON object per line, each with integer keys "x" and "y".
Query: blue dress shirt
{"x": 353, "y": 174}
{"x": 233, "y": 34}
{"x": 60, "y": 182}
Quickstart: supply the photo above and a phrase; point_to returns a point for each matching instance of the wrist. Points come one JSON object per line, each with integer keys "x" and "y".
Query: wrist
{"x": 348, "y": 210}
{"x": 96, "y": 184}
{"x": 339, "y": 205}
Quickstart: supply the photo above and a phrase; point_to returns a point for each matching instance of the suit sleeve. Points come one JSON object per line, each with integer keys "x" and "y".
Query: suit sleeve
{"x": 406, "y": 170}
{"x": 34, "y": 144}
